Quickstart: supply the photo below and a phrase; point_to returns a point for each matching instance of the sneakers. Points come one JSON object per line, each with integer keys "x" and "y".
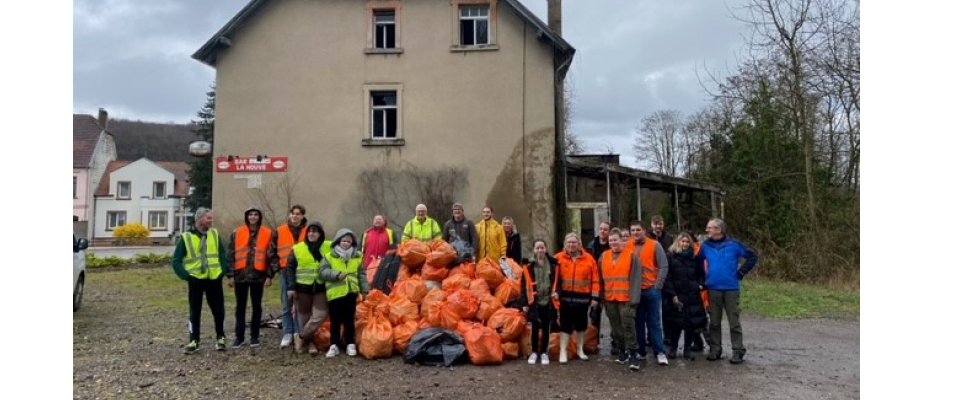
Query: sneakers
{"x": 333, "y": 352}
{"x": 737, "y": 356}
{"x": 352, "y": 350}
{"x": 191, "y": 347}
{"x": 544, "y": 359}
{"x": 221, "y": 343}
{"x": 641, "y": 356}
{"x": 714, "y": 355}
{"x": 662, "y": 359}
{"x": 286, "y": 341}
{"x": 634, "y": 362}
{"x": 254, "y": 342}
{"x": 533, "y": 359}
{"x": 237, "y": 343}
{"x": 622, "y": 358}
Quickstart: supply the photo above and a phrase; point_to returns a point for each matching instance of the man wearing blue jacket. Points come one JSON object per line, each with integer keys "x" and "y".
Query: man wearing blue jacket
{"x": 724, "y": 272}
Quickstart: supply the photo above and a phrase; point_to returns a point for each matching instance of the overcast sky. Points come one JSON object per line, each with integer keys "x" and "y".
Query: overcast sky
{"x": 634, "y": 57}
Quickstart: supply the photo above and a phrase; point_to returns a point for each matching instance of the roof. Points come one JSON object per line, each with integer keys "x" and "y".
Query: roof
{"x": 207, "y": 53}
{"x": 86, "y": 134}
{"x": 592, "y": 166}
{"x": 179, "y": 169}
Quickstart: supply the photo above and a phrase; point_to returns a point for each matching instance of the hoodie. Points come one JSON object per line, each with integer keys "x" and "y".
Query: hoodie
{"x": 256, "y": 232}
{"x": 328, "y": 274}
{"x": 316, "y": 250}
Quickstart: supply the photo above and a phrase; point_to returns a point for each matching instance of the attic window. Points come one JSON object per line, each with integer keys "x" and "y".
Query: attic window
{"x": 474, "y": 25}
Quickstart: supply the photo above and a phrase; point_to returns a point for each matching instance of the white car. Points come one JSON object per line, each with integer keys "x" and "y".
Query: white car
{"x": 79, "y": 270}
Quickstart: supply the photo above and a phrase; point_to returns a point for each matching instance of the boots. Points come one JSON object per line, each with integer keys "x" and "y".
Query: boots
{"x": 297, "y": 343}
{"x": 564, "y": 343}
{"x": 580, "y": 353}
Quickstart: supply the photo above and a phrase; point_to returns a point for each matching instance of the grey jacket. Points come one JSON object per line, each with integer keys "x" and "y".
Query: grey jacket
{"x": 328, "y": 274}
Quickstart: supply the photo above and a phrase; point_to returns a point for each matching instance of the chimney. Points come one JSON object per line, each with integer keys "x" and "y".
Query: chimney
{"x": 554, "y": 17}
{"x": 102, "y": 119}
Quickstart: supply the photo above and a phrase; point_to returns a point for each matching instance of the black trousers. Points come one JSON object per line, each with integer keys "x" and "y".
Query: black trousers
{"x": 541, "y": 325}
{"x": 213, "y": 288}
{"x": 255, "y": 290}
{"x": 343, "y": 312}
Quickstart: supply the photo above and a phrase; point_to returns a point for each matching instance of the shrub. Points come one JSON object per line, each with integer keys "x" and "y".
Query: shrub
{"x": 153, "y": 258}
{"x": 132, "y": 234}
{"x": 112, "y": 261}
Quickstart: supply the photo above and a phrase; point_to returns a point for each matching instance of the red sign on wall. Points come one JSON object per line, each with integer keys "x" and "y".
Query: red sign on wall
{"x": 251, "y": 164}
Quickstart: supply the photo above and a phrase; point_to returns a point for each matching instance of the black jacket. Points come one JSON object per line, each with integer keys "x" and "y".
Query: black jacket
{"x": 514, "y": 251}
{"x": 684, "y": 280}
{"x": 596, "y": 249}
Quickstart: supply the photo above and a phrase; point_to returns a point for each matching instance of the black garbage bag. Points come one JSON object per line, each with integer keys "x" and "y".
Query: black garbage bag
{"x": 436, "y": 346}
{"x": 387, "y": 273}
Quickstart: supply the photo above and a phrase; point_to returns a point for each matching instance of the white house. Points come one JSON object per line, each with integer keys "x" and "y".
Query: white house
{"x": 150, "y": 193}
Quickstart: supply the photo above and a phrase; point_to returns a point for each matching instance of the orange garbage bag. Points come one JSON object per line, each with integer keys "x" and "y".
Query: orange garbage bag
{"x": 591, "y": 340}
{"x": 431, "y": 272}
{"x": 463, "y": 326}
{"x": 458, "y": 281}
{"x": 402, "y": 334}
{"x": 412, "y": 288}
{"x": 442, "y": 253}
{"x": 509, "y": 323}
{"x": 430, "y": 306}
{"x": 403, "y": 273}
{"x": 526, "y": 341}
{"x": 490, "y": 272}
{"x": 479, "y": 287}
{"x": 403, "y": 310}
{"x": 516, "y": 268}
{"x": 467, "y": 268}
{"x": 425, "y": 323}
{"x": 508, "y": 291}
{"x": 511, "y": 350}
{"x": 488, "y": 305}
{"x": 463, "y": 302}
{"x": 448, "y": 317}
{"x": 483, "y": 346}
{"x": 413, "y": 253}
{"x": 371, "y": 270}
{"x": 321, "y": 339}
{"x": 376, "y": 341}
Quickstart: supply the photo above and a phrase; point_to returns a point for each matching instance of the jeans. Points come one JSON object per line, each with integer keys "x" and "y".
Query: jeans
{"x": 648, "y": 318}
{"x": 290, "y": 324}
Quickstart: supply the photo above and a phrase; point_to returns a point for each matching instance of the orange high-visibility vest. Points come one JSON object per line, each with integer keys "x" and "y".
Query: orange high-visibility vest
{"x": 243, "y": 248}
{"x": 616, "y": 276}
{"x": 578, "y": 276}
{"x": 648, "y": 259}
{"x": 285, "y": 243}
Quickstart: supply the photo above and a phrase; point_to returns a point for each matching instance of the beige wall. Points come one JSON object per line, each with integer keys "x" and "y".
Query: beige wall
{"x": 292, "y": 84}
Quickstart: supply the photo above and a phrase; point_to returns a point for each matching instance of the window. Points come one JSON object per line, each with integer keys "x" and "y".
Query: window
{"x": 474, "y": 25}
{"x": 159, "y": 190}
{"x": 75, "y": 187}
{"x": 384, "y": 29}
{"x": 116, "y": 219}
{"x": 157, "y": 220}
{"x": 384, "y": 114}
{"x": 123, "y": 190}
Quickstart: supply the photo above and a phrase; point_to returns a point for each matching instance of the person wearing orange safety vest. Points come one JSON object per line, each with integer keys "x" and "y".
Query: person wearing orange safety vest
{"x": 536, "y": 285}
{"x": 654, "y": 267}
{"x": 616, "y": 269}
{"x": 284, "y": 238}
{"x": 578, "y": 288}
{"x": 251, "y": 263}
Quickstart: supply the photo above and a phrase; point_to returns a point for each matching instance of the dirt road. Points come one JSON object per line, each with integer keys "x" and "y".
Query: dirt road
{"x": 128, "y": 338}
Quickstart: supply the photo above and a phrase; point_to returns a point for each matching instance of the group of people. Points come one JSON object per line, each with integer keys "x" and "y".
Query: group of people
{"x": 647, "y": 282}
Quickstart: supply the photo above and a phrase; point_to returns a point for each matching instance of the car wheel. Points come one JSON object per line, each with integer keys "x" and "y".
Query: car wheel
{"x": 78, "y": 294}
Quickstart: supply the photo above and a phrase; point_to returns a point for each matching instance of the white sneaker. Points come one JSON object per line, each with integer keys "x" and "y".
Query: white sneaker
{"x": 286, "y": 341}
{"x": 333, "y": 352}
{"x": 662, "y": 359}
{"x": 352, "y": 350}
{"x": 533, "y": 359}
{"x": 544, "y": 359}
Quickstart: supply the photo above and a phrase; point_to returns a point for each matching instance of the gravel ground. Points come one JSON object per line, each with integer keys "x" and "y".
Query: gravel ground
{"x": 125, "y": 348}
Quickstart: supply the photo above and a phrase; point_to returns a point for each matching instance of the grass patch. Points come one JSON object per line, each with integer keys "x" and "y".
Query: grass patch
{"x": 788, "y": 300}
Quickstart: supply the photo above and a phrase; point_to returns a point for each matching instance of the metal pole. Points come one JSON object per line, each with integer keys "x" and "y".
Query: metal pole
{"x": 676, "y": 202}
{"x": 721, "y": 208}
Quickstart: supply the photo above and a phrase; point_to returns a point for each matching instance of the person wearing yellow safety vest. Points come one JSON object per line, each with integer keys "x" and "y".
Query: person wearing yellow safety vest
{"x": 251, "y": 263}
{"x": 303, "y": 268}
{"x": 493, "y": 241}
{"x": 198, "y": 259}
{"x": 421, "y": 227}
{"x": 346, "y": 279}
{"x": 284, "y": 238}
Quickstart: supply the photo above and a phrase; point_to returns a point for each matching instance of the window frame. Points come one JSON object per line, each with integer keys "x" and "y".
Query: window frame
{"x": 118, "y": 215}
{"x": 374, "y": 7}
{"x": 166, "y": 219}
{"x": 374, "y": 108}
{"x": 163, "y": 185}
{"x": 120, "y": 195}
{"x": 377, "y": 25}
{"x": 492, "y": 7}
{"x": 369, "y": 112}
{"x": 474, "y": 22}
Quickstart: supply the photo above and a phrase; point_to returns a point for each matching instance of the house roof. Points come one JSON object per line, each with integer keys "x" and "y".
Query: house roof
{"x": 179, "y": 169}
{"x": 86, "y": 133}
{"x": 207, "y": 53}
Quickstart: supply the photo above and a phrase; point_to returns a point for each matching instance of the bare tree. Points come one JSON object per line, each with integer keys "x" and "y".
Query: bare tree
{"x": 659, "y": 142}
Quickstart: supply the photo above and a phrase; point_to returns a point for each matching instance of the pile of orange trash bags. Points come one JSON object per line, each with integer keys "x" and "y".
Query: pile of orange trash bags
{"x": 468, "y": 299}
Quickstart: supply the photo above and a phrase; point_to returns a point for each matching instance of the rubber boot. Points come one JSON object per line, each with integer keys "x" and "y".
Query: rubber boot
{"x": 580, "y": 353}
{"x": 564, "y": 343}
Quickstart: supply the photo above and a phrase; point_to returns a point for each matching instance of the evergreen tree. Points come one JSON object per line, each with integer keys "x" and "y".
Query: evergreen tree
{"x": 201, "y": 169}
